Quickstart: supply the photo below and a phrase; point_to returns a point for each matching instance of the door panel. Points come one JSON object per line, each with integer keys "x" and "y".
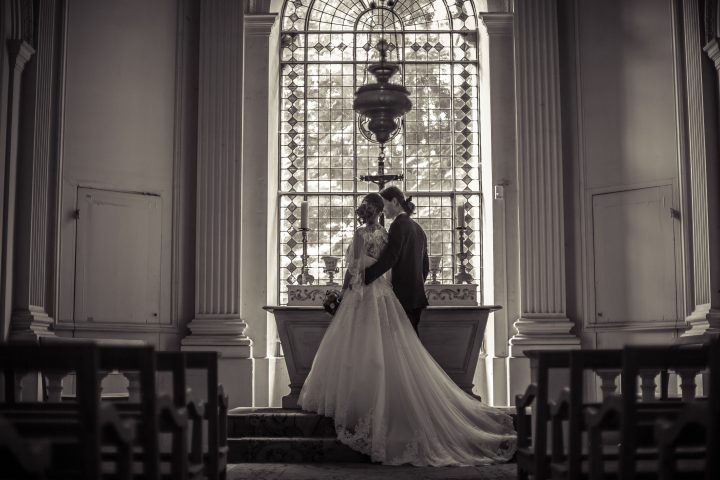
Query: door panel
{"x": 635, "y": 256}
{"x": 117, "y": 274}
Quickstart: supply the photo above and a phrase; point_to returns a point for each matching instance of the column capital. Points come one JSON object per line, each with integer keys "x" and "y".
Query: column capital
{"x": 260, "y": 24}
{"x": 498, "y": 23}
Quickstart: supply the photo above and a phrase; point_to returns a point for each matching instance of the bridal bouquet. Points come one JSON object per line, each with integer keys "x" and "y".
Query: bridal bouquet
{"x": 332, "y": 301}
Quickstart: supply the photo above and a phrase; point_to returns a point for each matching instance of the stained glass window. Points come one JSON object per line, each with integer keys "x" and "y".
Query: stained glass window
{"x": 326, "y": 46}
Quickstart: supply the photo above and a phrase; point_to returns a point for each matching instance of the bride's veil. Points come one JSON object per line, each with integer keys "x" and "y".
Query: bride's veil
{"x": 356, "y": 261}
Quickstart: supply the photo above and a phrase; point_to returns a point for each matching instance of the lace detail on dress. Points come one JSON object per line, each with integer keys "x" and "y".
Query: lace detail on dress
{"x": 375, "y": 238}
{"x": 362, "y": 438}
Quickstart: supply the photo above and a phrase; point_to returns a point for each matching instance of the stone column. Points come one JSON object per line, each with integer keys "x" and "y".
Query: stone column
{"x": 543, "y": 322}
{"x": 19, "y": 53}
{"x": 497, "y": 101}
{"x": 217, "y": 324}
{"x": 703, "y": 178}
{"x": 259, "y": 200}
{"x": 35, "y": 180}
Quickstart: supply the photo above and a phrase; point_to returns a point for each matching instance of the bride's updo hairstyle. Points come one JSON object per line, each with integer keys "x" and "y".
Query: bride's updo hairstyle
{"x": 372, "y": 205}
{"x": 394, "y": 192}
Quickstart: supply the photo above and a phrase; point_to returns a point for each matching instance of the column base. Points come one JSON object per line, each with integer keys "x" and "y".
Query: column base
{"x": 703, "y": 324}
{"x": 543, "y": 332}
{"x": 29, "y": 325}
{"x": 224, "y": 334}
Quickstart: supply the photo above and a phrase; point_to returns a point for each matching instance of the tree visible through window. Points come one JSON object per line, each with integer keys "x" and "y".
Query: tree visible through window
{"x": 326, "y": 46}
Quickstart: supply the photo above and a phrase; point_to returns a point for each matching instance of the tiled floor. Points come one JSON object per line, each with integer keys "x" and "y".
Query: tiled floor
{"x": 356, "y": 471}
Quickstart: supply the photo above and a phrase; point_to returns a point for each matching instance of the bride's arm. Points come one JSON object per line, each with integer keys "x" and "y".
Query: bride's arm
{"x": 355, "y": 272}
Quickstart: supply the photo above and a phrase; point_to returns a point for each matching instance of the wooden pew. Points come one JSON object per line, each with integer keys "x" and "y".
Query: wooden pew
{"x": 174, "y": 415}
{"x": 568, "y": 410}
{"x": 691, "y": 428}
{"x": 20, "y": 458}
{"x": 697, "y": 426}
{"x": 76, "y": 431}
{"x": 216, "y": 407}
{"x": 532, "y": 453}
{"x": 637, "y": 455}
{"x": 185, "y": 465}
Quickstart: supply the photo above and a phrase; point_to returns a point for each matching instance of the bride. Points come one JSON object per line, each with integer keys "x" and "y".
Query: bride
{"x": 388, "y": 397}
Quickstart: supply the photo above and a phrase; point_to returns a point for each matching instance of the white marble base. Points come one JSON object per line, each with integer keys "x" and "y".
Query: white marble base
{"x": 451, "y": 334}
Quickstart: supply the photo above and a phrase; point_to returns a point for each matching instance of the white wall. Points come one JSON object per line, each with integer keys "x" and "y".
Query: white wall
{"x": 620, "y": 145}
{"x": 124, "y": 130}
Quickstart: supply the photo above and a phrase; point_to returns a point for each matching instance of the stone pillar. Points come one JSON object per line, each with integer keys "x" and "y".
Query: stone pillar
{"x": 543, "y": 322}
{"x": 35, "y": 180}
{"x": 703, "y": 178}
{"x": 19, "y": 53}
{"x": 498, "y": 144}
{"x": 259, "y": 200}
{"x": 217, "y": 324}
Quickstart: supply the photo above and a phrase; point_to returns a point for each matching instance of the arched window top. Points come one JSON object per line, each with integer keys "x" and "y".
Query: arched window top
{"x": 345, "y": 15}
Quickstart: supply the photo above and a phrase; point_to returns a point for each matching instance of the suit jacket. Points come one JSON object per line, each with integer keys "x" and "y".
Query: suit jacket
{"x": 406, "y": 254}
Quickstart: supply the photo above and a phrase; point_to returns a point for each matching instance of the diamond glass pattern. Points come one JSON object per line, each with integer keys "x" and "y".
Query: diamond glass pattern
{"x": 326, "y": 46}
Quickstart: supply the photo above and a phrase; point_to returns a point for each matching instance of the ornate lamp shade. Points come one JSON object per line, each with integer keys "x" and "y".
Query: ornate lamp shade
{"x": 382, "y": 103}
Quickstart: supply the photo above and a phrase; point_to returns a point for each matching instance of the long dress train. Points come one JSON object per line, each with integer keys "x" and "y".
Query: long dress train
{"x": 389, "y": 398}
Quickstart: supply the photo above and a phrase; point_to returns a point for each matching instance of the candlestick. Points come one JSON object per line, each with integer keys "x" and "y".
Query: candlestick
{"x": 304, "y": 214}
{"x": 462, "y": 276}
{"x": 434, "y": 261}
{"x": 460, "y": 215}
{"x": 305, "y": 278}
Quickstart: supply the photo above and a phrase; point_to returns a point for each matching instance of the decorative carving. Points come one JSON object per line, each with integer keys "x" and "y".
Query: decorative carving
{"x": 453, "y": 294}
{"x": 448, "y": 294}
{"x": 307, "y": 294}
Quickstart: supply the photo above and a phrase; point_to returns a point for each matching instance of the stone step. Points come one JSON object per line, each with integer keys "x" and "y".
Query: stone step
{"x": 278, "y": 423}
{"x": 275, "y": 435}
{"x": 291, "y": 450}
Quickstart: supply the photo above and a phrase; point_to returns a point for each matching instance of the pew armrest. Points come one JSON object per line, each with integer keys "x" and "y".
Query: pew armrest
{"x": 669, "y": 432}
{"x": 32, "y": 458}
{"x": 171, "y": 416}
{"x": 560, "y": 407}
{"x": 602, "y": 416}
{"x": 118, "y": 431}
{"x": 522, "y": 402}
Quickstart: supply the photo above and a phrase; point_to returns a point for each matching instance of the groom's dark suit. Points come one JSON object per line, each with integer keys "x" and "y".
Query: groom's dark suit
{"x": 406, "y": 254}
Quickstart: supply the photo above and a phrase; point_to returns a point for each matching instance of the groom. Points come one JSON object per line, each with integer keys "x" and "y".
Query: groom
{"x": 405, "y": 254}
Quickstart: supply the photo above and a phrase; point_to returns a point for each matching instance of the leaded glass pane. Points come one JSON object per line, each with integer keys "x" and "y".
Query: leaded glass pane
{"x": 466, "y": 127}
{"x": 435, "y": 215}
{"x": 473, "y": 236}
{"x": 326, "y": 46}
{"x": 331, "y": 222}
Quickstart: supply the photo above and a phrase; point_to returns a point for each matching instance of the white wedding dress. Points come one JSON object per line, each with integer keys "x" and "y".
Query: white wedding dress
{"x": 388, "y": 397}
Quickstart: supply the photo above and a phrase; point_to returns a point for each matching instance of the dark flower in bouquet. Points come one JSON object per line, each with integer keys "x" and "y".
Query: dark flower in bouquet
{"x": 332, "y": 301}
